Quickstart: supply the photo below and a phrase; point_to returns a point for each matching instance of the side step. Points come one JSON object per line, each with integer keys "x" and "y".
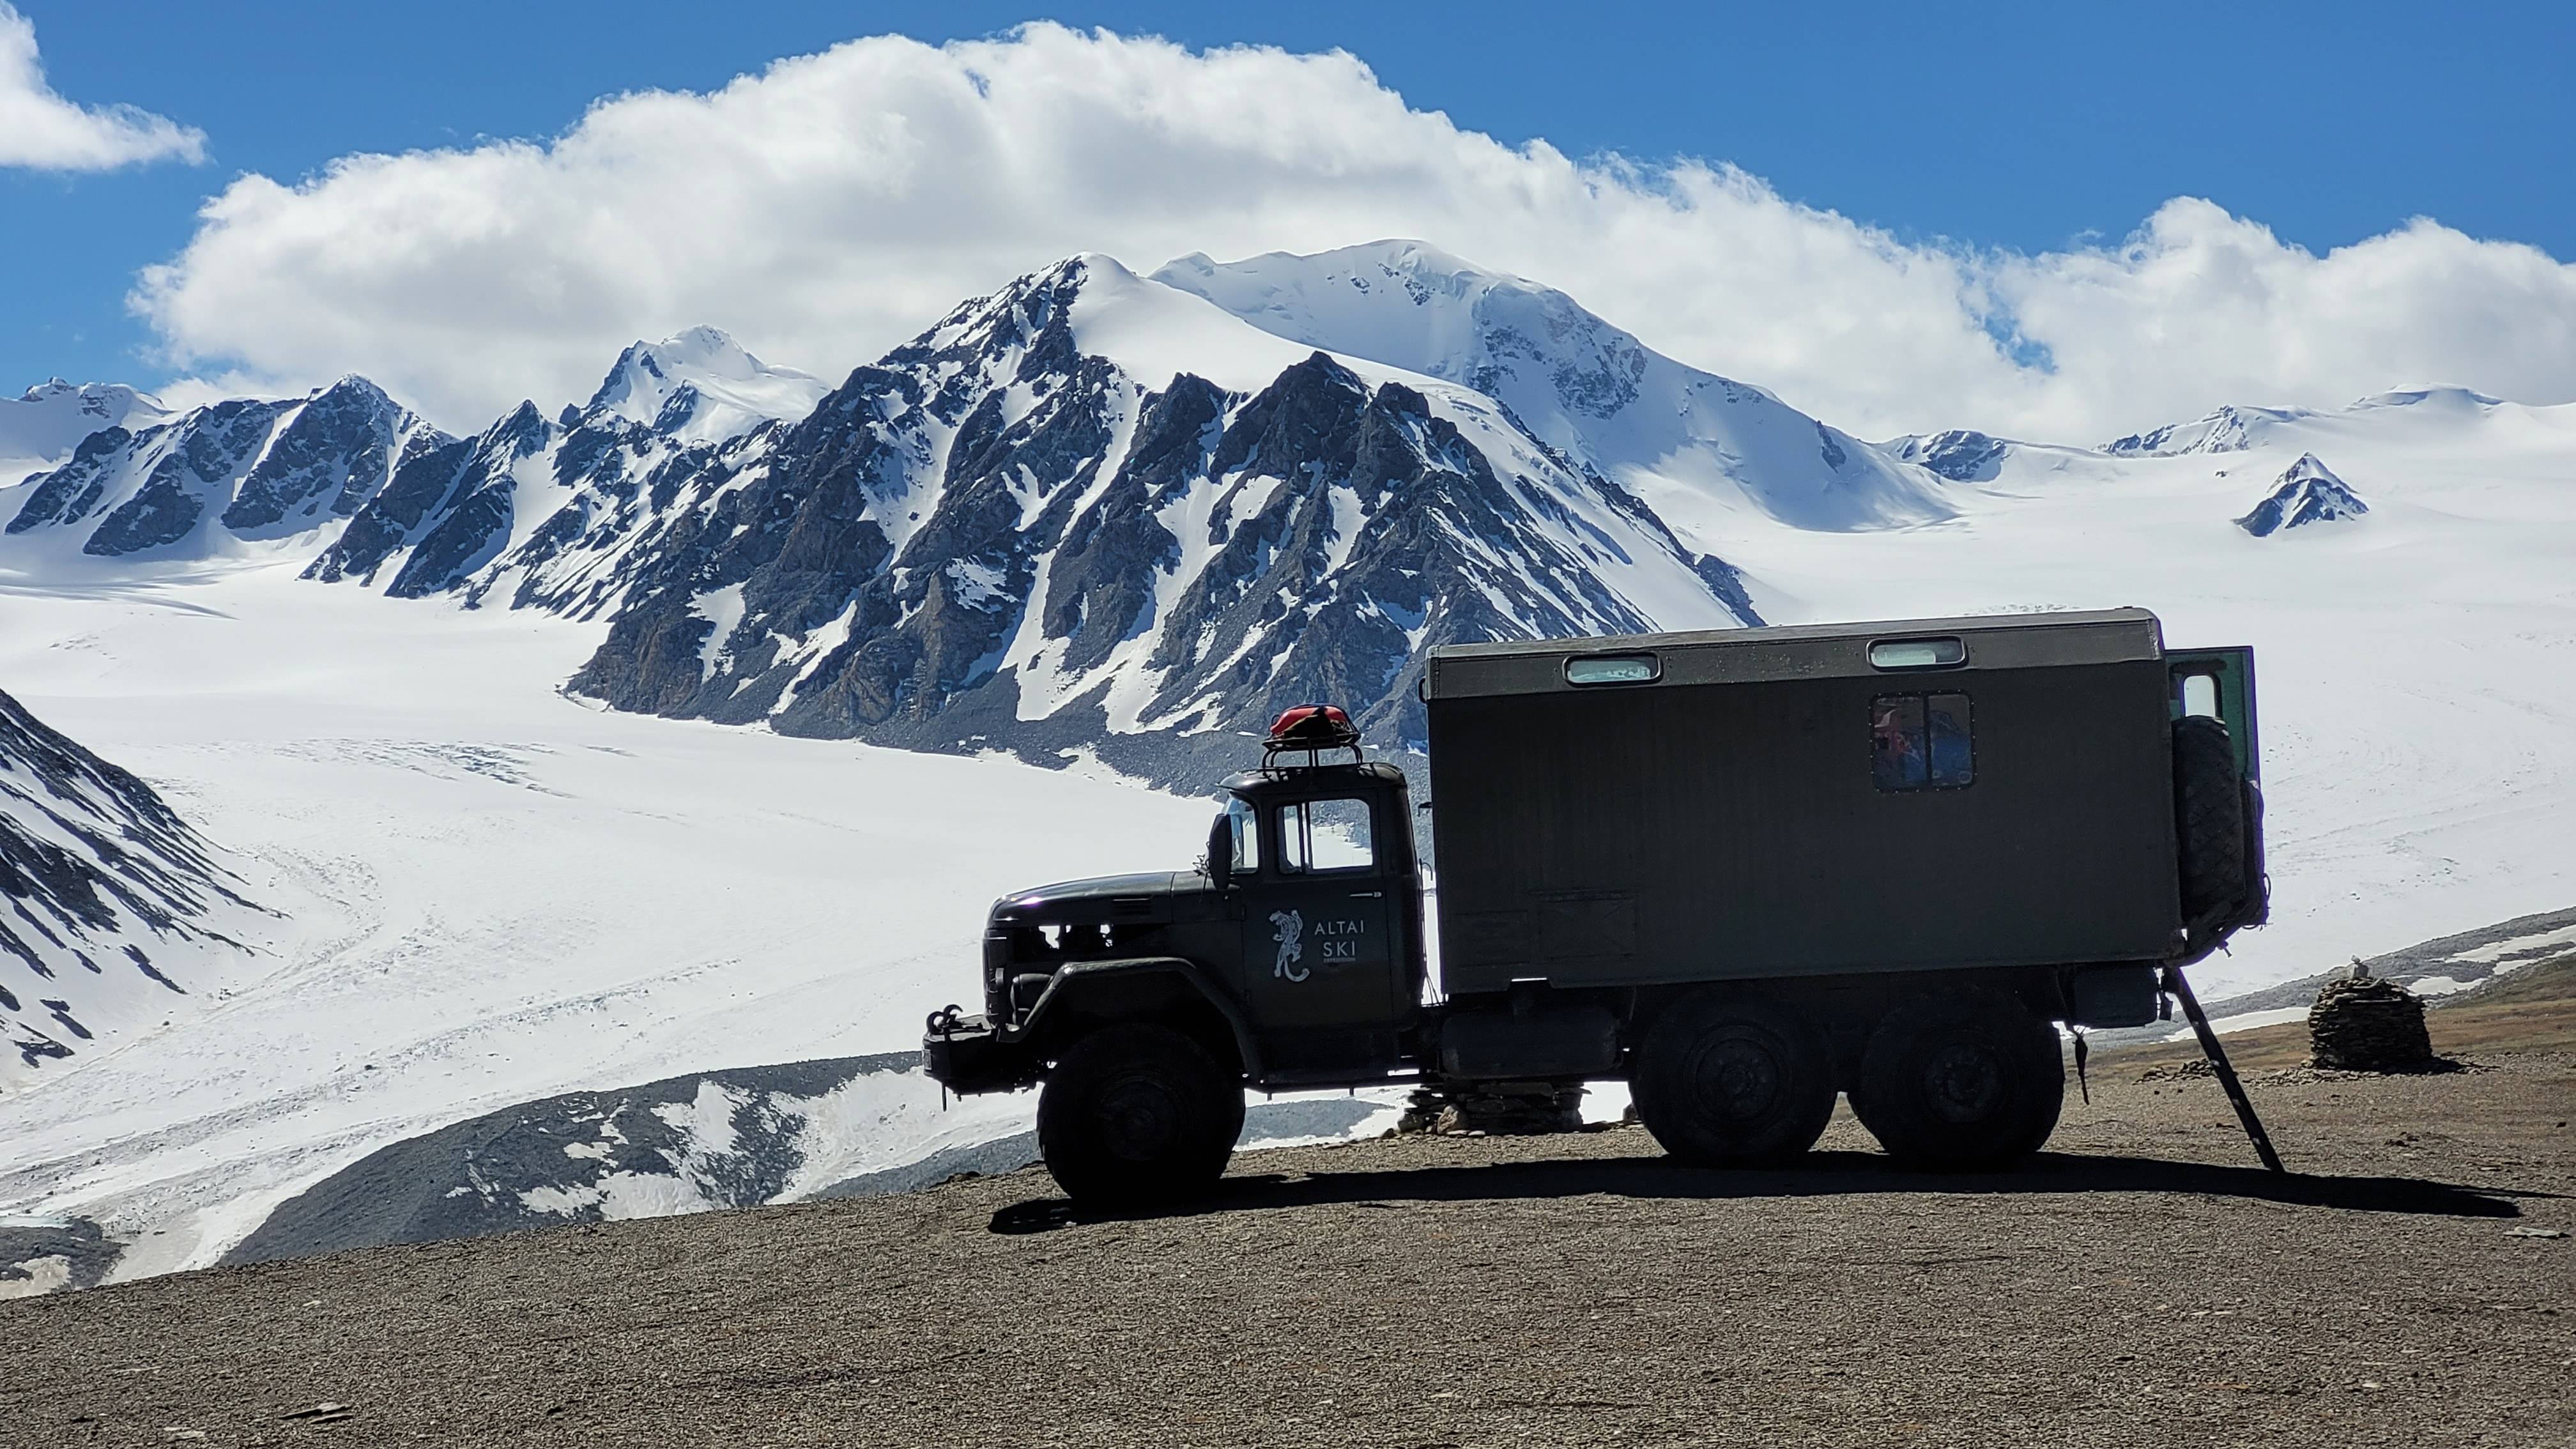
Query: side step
{"x": 2217, "y": 1055}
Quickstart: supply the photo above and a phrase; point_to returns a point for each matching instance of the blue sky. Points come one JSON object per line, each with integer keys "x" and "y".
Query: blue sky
{"x": 2027, "y": 128}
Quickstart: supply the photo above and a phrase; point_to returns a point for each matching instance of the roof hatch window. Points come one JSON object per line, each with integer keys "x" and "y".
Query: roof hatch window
{"x": 1613, "y": 669}
{"x": 1917, "y": 653}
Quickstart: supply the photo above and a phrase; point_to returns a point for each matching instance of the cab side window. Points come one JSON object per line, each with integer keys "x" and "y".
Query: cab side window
{"x": 1922, "y": 742}
{"x": 1321, "y": 835}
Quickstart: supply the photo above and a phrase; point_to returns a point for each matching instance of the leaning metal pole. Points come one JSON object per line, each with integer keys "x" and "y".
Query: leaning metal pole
{"x": 2217, "y": 1055}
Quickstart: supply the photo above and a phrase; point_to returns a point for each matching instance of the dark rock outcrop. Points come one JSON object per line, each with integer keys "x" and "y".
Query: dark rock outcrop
{"x": 1959, "y": 454}
{"x": 2308, "y": 493}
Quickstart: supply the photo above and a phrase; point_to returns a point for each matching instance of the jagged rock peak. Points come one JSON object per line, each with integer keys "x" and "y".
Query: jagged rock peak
{"x": 2308, "y": 492}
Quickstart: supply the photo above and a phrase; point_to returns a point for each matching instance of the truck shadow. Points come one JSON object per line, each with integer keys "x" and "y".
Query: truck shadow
{"x": 1823, "y": 1174}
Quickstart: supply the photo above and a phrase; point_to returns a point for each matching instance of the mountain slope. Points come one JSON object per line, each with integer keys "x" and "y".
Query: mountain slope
{"x": 1702, "y": 450}
{"x": 99, "y": 876}
{"x": 1091, "y": 512}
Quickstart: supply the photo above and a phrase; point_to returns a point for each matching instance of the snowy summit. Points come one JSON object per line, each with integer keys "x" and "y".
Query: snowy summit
{"x": 700, "y": 386}
{"x": 42, "y": 426}
{"x": 1700, "y": 449}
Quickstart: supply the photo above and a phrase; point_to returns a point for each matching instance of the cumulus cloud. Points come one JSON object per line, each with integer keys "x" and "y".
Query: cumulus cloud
{"x": 837, "y": 203}
{"x": 42, "y": 130}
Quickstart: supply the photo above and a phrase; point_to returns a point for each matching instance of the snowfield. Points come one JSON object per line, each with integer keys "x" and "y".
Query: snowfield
{"x": 2417, "y": 665}
{"x": 495, "y": 893}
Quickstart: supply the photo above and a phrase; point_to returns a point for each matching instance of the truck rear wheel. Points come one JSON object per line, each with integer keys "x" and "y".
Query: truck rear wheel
{"x": 1728, "y": 1081}
{"x": 1138, "y": 1114}
{"x": 1958, "y": 1082}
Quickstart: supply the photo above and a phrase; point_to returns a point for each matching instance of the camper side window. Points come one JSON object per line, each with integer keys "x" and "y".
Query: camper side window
{"x": 1921, "y": 742}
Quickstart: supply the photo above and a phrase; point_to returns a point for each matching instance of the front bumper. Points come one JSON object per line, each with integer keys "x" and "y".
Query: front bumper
{"x": 968, "y": 1054}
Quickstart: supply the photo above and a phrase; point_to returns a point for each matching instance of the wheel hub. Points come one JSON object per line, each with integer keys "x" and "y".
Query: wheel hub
{"x": 1739, "y": 1078}
{"x": 1139, "y": 1118}
{"x": 1964, "y": 1082}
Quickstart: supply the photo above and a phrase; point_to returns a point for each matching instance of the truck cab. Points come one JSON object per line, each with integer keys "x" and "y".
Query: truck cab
{"x": 1317, "y": 864}
{"x": 1294, "y": 946}
{"x": 1745, "y": 871}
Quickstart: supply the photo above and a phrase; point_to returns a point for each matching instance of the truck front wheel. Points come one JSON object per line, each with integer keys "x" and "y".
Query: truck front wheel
{"x": 1726, "y": 1081}
{"x": 1961, "y": 1081}
{"x": 1138, "y": 1114}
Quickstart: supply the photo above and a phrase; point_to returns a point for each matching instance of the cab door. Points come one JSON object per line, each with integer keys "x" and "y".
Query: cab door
{"x": 2220, "y": 683}
{"x": 1321, "y": 951}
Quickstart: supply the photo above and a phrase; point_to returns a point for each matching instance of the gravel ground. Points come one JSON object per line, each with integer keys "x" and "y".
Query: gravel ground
{"x": 2138, "y": 1285}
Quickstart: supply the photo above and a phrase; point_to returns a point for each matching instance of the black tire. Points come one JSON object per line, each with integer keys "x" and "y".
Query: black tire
{"x": 1963, "y": 1081}
{"x": 2209, "y": 819}
{"x": 1729, "y": 1081}
{"x": 1138, "y": 1115}
{"x": 2258, "y": 880}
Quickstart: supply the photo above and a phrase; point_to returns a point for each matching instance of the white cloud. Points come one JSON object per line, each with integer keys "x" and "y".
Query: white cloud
{"x": 837, "y": 203}
{"x": 42, "y": 130}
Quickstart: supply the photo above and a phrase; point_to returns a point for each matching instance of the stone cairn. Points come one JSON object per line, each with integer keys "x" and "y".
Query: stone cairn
{"x": 1502, "y": 1109}
{"x": 2365, "y": 1024}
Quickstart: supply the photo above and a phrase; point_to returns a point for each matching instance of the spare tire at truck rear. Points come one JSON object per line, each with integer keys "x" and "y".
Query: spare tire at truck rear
{"x": 2209, "y": 821}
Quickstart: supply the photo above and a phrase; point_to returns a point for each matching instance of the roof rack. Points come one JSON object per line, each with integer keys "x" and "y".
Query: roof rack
{"x": 1309, "y": 729}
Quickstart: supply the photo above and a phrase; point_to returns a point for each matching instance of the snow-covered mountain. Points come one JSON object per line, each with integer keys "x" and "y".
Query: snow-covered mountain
{"x": 699, "y": 387}
{"x": 1092, "y": 512}
{"x": 526, "y": 486}
{"x": 112, "y": 899}
{"x": 1700, "y": 449}
{"x": 2307, "y": 493}
{"x": 41, "y": 427}
{"x": 2236, "y": 428}
{"x": 351, "y": 482}
{"x": 216, "y": 481}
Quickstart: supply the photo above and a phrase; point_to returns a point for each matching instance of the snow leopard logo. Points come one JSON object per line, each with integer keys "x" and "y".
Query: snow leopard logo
{"x": 1290, "y": 931}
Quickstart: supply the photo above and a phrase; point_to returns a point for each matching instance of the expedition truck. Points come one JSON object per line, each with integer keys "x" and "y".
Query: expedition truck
{"x": 1741, "y": 870}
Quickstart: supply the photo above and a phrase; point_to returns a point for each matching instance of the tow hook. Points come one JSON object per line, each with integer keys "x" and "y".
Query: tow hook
{"x": 943, "y": 1025}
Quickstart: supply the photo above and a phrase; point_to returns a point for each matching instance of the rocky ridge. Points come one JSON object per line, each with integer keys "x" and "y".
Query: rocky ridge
{"x": 205, "y": 482}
